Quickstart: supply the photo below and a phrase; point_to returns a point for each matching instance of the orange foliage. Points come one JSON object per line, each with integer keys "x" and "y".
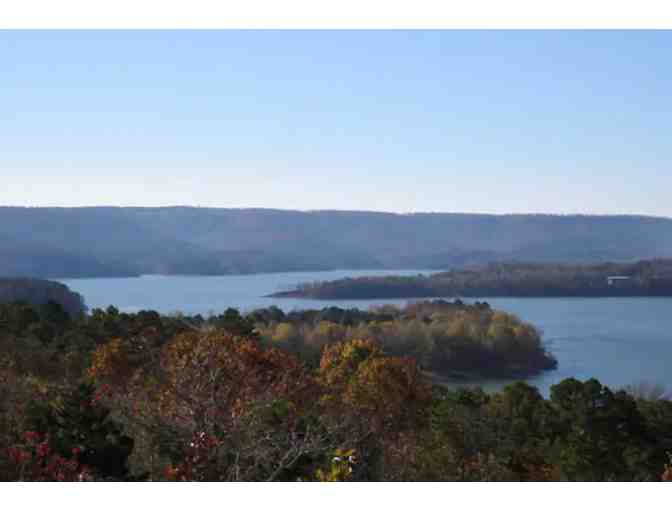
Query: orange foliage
{"x": 226, "y": 373}
{"x": 341, "y": 360}
{"x": 388, "y": 392}
{"x": 110, "y": 361}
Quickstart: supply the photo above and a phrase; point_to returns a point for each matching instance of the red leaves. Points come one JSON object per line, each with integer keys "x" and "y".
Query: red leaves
{"x": 43, "y": 449}
{"x": 36, "y": 461}
{"x": 173, "y": 474}
{"x": 105, "y": 390}
{"x": 18, "y": 455}
{"x": 31, "y": 437}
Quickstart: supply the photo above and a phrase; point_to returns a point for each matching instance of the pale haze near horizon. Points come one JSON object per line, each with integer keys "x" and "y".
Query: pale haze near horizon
{"x": 403, "y": 121}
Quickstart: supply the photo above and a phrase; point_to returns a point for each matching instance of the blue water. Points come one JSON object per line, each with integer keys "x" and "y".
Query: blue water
{"x": 619, "y": 341}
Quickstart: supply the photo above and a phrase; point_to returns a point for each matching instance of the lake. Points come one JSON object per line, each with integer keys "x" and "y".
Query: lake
{"x": 619, "y": 341}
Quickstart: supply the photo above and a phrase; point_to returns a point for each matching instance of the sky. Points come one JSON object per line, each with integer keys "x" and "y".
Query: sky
{"x": 556, "y": 122}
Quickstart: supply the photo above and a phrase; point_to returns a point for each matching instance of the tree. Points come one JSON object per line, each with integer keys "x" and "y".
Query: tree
{"x": 601, "y": 434}
{"x": 80, "y": 426}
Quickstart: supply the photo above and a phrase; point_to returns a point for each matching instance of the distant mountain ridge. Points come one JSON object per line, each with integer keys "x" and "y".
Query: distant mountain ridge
{"x": 127, "y": 241}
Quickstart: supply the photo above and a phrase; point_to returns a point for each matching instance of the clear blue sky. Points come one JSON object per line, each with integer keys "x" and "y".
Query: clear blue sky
{"x": 506, "y": 121}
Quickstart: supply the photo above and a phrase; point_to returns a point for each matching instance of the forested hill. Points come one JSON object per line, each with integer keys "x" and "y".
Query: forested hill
{"x": 643, "y": 278}
{"x": 41, "y": 292}
{"x": 109, "y": 241}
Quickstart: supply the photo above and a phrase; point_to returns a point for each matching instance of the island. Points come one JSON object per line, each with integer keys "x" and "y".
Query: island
{"x": 513, "y": 279}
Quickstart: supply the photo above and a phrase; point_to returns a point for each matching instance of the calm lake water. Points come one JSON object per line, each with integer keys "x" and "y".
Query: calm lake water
{"x": 619, "y": 341}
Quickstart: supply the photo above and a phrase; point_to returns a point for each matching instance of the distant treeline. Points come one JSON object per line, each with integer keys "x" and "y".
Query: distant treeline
{"x": 643, "y": 278}
{"x": 120, "y": 241}
{"x": 41, "y": 292}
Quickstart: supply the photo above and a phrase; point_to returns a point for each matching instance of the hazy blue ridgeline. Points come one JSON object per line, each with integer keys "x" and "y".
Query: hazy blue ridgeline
{"x": 112, "y": 241}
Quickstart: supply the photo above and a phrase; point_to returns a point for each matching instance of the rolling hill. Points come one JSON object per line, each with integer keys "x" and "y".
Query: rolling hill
{"x": 115, "y": 241}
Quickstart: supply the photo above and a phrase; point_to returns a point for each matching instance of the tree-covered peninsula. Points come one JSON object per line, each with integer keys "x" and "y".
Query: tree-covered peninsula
{"x": 445, "y": 338}
{"x": 643, "y": 278}
{"x": 38, "y": 292}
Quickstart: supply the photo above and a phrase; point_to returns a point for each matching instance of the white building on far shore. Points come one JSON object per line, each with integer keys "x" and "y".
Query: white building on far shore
{"x": 611, "y": 280}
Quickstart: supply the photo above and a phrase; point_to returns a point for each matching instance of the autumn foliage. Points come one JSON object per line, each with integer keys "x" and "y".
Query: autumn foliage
{"x": 34, "y": 460}
{"x": 185, "y": 399}
{"x": 388, "y": 392}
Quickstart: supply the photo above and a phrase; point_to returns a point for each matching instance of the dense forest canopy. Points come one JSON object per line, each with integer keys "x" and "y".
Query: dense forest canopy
{"x": 113, "y": 241}
{"x": 643, "y": 278}
{"x": 144, "y": 396}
